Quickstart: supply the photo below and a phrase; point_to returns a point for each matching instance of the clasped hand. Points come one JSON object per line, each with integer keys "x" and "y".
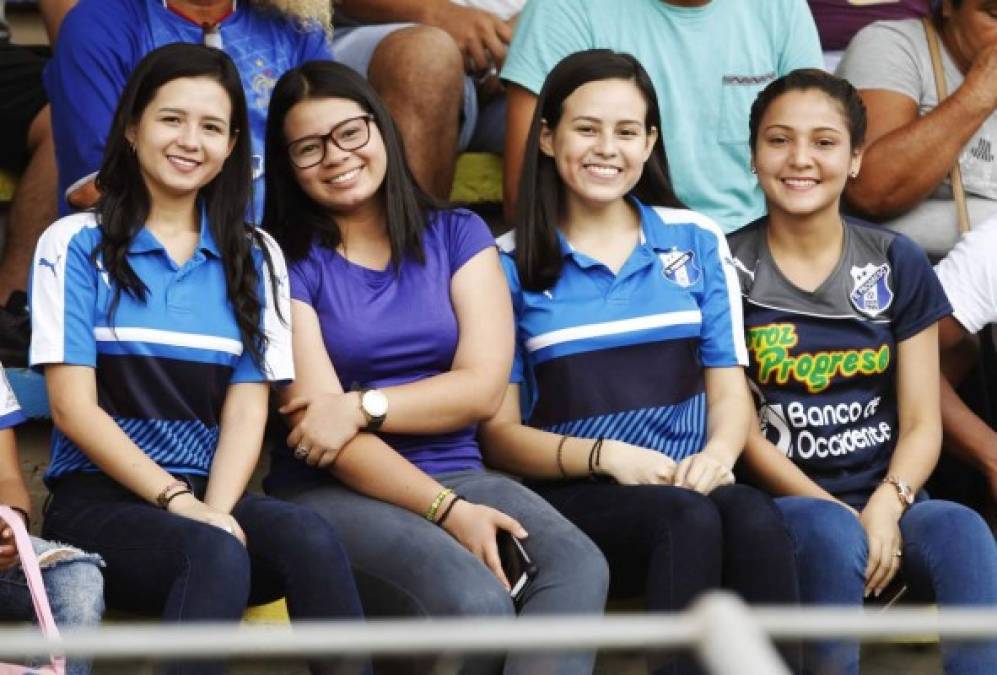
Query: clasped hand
{"x": 327, "y": 423}
{"x": 632, "y": 465}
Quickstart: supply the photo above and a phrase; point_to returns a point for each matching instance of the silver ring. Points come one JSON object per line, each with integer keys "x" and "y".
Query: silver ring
{"x": 229, "y": 529}
{"x": 899, "y": 554}
{"x": 300, "y": 452}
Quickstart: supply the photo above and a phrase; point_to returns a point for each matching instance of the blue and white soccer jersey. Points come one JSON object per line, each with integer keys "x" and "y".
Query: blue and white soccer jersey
{"x": 163, "y": 365}
{"x": 621, "y": 355}
{"x": 10, "y": 410}
{"x": 823, "y": 364}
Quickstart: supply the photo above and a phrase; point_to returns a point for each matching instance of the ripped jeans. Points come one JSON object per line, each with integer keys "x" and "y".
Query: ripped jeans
{"x": 74, "y": 585}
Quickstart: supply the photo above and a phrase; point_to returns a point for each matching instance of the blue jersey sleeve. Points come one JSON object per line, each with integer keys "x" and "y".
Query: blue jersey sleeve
{"x": 920, "y": 300}
{"x": 63, "y": 295}
{"x": 722, "y": 334}
{"x": 84, "y": 80}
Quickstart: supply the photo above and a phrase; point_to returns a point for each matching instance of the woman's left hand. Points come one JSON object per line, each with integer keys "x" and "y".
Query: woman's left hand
{"x": 702, "y": 472}
{"x": 329, "y": 422}
{"x": 881, "y": 520}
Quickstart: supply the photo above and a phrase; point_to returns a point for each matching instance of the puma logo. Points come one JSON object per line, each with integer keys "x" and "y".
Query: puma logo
{"x": 42, "y": 262}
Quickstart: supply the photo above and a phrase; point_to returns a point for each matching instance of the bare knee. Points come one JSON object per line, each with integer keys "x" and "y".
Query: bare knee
{"x": 422, "y": 63}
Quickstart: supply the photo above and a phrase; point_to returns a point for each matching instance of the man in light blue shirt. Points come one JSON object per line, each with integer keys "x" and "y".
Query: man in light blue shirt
{"x": 708, "y": 60}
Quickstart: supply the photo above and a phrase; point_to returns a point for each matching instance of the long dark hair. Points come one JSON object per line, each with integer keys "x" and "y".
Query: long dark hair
{"x": 295, "y": 219}
{"x": 541, "y": 193}
{"x": 124, "y": 203}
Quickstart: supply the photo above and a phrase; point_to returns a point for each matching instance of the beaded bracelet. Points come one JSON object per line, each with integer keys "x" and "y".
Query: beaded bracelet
{"x": 431, "y": 512}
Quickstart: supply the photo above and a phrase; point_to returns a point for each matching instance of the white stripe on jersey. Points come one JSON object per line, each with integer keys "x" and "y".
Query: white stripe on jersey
{"x": 168, "y": 337}
{"x": 591, "y": 330}
{"x": 48, "y": 290}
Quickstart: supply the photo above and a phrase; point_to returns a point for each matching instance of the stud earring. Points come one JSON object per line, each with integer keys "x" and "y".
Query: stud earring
{"x": 853, "y": 174}
{"x": 753, "y": 169}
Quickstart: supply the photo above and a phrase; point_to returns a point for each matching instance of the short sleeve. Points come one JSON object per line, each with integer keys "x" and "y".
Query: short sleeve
{"x": 10, "y": 410}
{"x": 722, "y": 333}
{"x": 546, "y": 32}
{"x": 302, "y": 279}
{"x": 802, "y": 46}
{"x": 881, "y": 56}
{"x": 63, "y": 296}
{"x": 278, "y": 360}
{"x": 466, "y": 235}
{"x": 98, "y": 67}
{"x": 920, "y": 300}
{"x": 969, "y": 276}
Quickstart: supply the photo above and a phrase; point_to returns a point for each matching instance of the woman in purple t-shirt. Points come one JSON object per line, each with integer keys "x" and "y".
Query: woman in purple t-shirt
{"x": 403, "y": 339}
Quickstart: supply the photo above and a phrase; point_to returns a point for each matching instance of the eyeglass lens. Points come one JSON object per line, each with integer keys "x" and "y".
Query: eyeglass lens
{"x": 348, "y": 135}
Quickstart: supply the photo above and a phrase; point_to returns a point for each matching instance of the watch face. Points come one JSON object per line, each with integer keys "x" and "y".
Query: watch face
{"x": 375, "y": 403}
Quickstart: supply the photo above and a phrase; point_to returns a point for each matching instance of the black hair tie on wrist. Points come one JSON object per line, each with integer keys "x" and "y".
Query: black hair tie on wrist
{"x": 446, "y": 511}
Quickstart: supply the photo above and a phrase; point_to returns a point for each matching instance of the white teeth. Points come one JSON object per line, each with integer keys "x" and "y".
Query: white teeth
{"x": 800, "y": 182}
{"x": 603, "y": 170}
{"x": 343, "y": 177}
{"x": 183, "y": 161}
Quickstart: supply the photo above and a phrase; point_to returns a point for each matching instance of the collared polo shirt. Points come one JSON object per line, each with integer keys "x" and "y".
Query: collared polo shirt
{"x": 163, "y": 364}
{"x": 621, "y": 355}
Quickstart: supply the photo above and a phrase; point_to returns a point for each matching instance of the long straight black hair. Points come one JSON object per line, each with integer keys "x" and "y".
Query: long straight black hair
{"x": 124, "y": 203}
{"x": 295, "y": 219}
{"x": 541, "y": 191}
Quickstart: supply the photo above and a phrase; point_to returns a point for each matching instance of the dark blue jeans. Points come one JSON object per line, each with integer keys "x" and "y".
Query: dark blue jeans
{"x": 949, "y": 557}
{"x": 670, "y": 544}
{"x": 185, "y": 570}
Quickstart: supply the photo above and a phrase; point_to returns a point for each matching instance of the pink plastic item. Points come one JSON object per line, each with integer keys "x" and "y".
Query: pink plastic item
{"x": 33, "y": 575}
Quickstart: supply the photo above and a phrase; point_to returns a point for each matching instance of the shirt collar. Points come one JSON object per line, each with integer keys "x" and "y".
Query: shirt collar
{"x": 145, "y": 241}
{"x": 647, "y": 236}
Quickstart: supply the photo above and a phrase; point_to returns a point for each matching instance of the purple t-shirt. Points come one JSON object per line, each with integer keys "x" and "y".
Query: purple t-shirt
{"x": 381, "y": 328}
{"x": 838, "y": 20}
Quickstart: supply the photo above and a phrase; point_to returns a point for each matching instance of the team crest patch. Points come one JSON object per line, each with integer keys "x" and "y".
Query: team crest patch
{"x": 871, "y": 294}
{"x": 679, "y": 267}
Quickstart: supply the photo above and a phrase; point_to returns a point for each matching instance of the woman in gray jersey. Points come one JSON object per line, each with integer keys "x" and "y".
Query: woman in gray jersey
{"x": 842, "y": 340}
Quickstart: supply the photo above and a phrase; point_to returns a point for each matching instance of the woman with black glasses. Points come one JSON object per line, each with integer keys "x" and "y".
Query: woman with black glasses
{"x": 403, "y": 339}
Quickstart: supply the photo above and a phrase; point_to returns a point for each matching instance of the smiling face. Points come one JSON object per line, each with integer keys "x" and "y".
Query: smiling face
{"x": 345, "y": 181}
{"x": 183, "y": 137}
{"x": 601, "y": 142}
{"x": 803, "y": 155}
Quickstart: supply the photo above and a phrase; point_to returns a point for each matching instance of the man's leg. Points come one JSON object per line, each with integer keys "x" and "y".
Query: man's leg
{"x": 419, "y": 72}
{"x": 33, "y": 208}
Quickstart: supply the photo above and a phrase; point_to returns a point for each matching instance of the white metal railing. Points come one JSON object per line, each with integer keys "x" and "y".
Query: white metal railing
{"x": 728, "y": 636}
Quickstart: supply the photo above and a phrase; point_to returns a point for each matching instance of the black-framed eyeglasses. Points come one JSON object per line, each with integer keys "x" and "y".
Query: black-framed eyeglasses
{"x": 351, "y": 134}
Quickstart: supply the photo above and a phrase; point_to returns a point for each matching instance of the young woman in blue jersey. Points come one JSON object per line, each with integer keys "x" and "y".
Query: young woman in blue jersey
{"x": 841, "y": 327}
{"x": 628, "y": 405}
{"x": 402, "y": 327}
{"x": 157, "y": 321}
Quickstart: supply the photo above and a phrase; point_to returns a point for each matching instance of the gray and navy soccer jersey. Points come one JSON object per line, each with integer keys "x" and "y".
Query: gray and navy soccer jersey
{"x": 621, "y": 356}
{"x": 823, "y": 364}
{"x": 163, "y": 365}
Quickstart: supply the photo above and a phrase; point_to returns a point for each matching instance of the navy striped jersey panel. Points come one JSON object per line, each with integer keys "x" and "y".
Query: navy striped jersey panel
{"x": 649, "y": 375}
{"x": 162, "y": 389}
{"x": 622, "y": 354}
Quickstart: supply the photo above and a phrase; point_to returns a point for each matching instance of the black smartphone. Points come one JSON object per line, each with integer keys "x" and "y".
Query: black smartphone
{"x": 518, "y": 567}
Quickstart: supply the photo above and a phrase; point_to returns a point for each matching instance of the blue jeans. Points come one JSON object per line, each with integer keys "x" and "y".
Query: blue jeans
{"x": 406, "y": 565}
{"x": 187, "y": 571}
{"x": 949, "y": 557}
{"x": 75, "y": 592}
